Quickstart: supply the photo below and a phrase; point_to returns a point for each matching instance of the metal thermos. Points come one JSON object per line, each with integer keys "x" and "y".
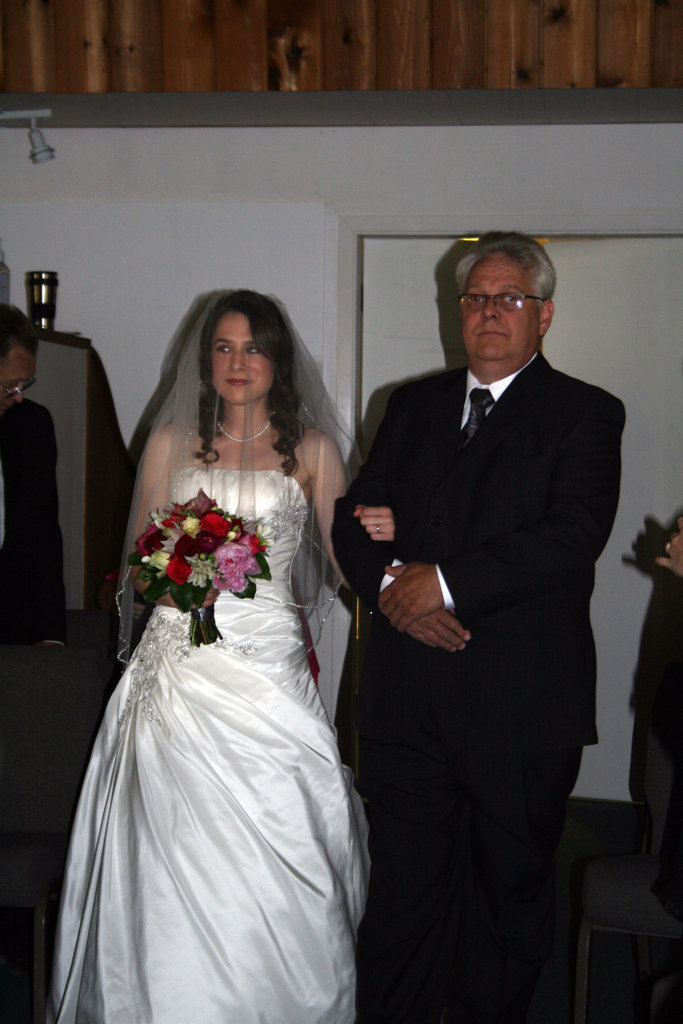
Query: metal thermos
{"x": 41, "y": 297}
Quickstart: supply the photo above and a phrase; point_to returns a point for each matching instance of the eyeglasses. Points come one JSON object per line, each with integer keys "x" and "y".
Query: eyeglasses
{"x": 508, "y": 302}
{"x": 18, "y": 389}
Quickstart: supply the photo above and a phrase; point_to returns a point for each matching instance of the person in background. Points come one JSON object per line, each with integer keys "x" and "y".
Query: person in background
{"x": 32, "y": 602}
{"x": 667, "y": 715}
{"x": 673, "y": 552}
{"x": 478, "y": 688}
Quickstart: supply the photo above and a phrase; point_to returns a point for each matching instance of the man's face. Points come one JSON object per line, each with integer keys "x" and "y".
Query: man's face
{"x": 16, "y": 369}
{"x": 497, "y": 342}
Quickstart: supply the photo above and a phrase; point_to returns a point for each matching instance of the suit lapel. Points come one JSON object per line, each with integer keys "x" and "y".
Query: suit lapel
{"x": 515, "y": 404}
{"x": 443, "y": 426}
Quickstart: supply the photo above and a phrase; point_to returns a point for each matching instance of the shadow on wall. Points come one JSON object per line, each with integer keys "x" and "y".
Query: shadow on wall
{"x": 447, "y": 304}
{"x": 660, "y": 640}
{"x": 450, "y": 336}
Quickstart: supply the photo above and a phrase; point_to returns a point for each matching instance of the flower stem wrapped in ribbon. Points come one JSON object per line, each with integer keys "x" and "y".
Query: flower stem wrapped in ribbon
{"x": 188, "y": 548}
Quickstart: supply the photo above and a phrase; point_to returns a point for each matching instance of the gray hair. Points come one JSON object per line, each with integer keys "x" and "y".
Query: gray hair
{"x": 16, "y": 331}
{"x": 514, "y": 246}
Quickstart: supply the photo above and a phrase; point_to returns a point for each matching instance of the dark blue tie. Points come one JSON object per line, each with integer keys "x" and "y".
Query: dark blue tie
{"x": 481, "y": 399}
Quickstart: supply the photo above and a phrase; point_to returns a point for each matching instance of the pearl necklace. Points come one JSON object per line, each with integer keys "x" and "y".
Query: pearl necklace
{"x": 243, "y": 440}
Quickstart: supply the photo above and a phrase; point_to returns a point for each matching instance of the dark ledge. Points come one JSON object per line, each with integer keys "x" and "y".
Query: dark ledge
{"x": 414, "y": 107}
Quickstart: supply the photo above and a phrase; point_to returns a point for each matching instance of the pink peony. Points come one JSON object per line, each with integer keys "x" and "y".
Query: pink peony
{"x": 234, "y": 563}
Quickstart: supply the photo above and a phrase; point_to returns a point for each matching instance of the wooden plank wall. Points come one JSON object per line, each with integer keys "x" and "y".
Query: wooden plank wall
{"x": 95, "y": 46}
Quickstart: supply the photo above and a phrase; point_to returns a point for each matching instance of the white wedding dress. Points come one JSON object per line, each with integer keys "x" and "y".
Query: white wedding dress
{"x": 217, "y": 866}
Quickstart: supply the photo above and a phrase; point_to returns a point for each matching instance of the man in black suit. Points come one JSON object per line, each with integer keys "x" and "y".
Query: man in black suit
{"x": 32, "y": 588}
{"x": 478, "y": 689}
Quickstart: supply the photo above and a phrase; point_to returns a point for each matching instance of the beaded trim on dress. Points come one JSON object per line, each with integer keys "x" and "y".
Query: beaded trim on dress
{"x": 283, "y": 521}
{"x": 164, "y": 635}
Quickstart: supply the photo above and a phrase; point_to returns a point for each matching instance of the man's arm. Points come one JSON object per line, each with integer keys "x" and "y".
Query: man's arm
{"x": 419, "y": 594}
{"x": 39, "y": 500}
{"x": 426, "y": 620}
{"x": 562, "y": 544}
{"x": 364, "y": 560}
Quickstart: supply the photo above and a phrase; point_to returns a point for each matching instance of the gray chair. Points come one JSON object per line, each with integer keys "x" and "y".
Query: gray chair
{"x": 50, "y": 703}
{"x": 617, "y": 890}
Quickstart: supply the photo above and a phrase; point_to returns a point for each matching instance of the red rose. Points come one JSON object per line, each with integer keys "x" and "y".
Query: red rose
{"x": 186, "y": 546}
{"x": 213, "y": 523}
{"x": 251, "y": 541}
{"x": 178, "y": 570}
{"x": 151, "y": 540}
{"x": 208, "y": 542}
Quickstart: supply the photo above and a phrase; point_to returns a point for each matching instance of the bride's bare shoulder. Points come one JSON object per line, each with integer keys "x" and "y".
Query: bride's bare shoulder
{"x": 319, "y": 460}
{"x": 159, "y": 443}
{"x": 316, "y": 444}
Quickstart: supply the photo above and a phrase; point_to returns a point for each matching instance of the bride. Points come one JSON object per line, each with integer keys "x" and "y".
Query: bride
{"x": 217, "y": 864}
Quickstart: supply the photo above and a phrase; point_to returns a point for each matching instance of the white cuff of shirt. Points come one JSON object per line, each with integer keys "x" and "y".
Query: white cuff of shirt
{"x": 448, "y": 601}
{"x": 386, "y": 580}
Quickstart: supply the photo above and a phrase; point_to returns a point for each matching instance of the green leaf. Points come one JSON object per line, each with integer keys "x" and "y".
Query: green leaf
{"x": 157, "y": 588}
{"x": 182, "y": 594}
{"x": 263, "y": 565}
{"x": 248, "y": 591}
{"x": 186, "y": 595}
{"x": 199, "y": 593}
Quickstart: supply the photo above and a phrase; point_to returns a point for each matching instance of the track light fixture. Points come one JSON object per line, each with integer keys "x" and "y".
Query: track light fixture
{"x": 40, "y": 151}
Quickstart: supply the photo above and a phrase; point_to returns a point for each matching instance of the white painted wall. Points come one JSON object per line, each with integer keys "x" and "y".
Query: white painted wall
{"x": 129, "y": 272}
{"x": 137, "y": 222}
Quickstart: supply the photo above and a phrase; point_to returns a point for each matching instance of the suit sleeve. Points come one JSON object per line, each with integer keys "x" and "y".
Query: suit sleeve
{"x": 561, "y": 545}
{"x": 40, "y": 501}
{"x": 363, "y": 560}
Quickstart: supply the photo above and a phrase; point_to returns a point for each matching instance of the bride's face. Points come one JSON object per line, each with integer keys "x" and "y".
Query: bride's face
{"x": 241, "y": 374}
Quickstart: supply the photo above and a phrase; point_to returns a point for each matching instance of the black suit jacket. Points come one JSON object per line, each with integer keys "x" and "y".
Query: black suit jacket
{"x": 31, "y": 576}
{"x": 516, "y": 522}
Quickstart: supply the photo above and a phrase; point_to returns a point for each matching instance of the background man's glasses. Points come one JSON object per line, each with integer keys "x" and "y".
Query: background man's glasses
{"x": 18, "y": 389}
{"x": 508, "y": 302}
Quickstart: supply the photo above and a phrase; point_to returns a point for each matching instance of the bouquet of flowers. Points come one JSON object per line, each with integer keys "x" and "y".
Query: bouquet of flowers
{"x": 188, "y": 548}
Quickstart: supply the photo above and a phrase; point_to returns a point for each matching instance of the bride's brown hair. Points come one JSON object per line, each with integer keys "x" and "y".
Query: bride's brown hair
{"x": 272, "y": 335}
